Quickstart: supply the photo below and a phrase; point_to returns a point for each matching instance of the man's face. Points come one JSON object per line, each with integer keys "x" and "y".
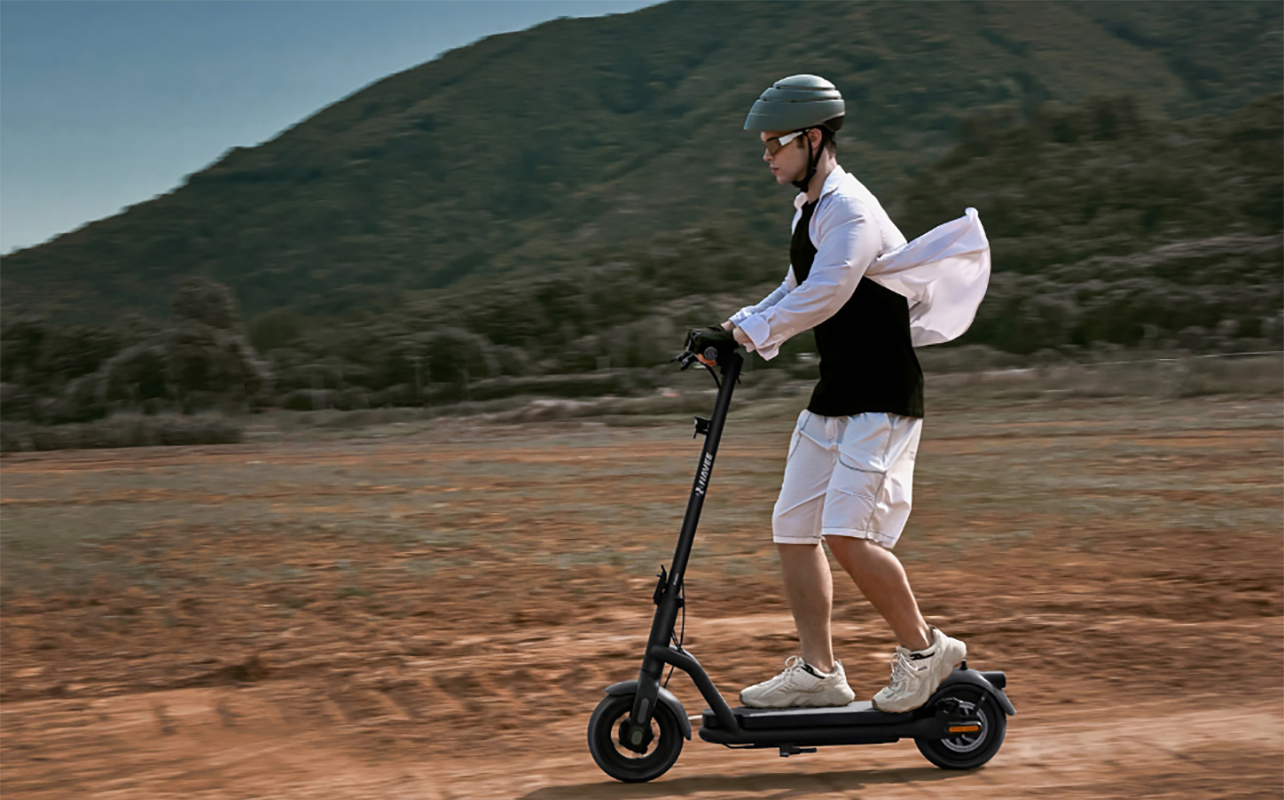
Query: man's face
{"x": 790, "y": 162}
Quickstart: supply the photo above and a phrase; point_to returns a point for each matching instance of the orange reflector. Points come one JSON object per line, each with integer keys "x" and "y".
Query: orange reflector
{"x": 964, "y": 728}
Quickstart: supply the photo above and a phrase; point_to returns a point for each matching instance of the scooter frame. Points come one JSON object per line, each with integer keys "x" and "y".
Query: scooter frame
{"x": 721, "y": 724}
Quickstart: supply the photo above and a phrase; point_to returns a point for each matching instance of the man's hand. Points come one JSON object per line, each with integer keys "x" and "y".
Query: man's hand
{"x": 720, "y": 339}
{"x": 742, "y": 338}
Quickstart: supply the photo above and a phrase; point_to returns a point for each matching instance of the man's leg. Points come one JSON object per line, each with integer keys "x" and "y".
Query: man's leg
{"x": 866, "y": 506}
{"x": 809, "y": 588}
{"x": 815, "y": 679}
{"x": 926, "y": 656}
{"x": 881, "y": 578}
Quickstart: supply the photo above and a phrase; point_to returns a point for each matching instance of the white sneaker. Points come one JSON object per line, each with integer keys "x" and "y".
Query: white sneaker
{"x": 918, "y": 673}
{"x": 800, "y": 686}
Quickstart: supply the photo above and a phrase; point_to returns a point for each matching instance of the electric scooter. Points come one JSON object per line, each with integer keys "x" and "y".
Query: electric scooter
{"x": 637, "y": 731}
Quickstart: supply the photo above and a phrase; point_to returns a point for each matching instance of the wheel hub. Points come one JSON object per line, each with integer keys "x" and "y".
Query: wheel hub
{"x": 967, "y": 742}
{"x": 634, "y": 737}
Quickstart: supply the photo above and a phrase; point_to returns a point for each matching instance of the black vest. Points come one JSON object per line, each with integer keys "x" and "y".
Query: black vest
{"x": 867, "y": 360}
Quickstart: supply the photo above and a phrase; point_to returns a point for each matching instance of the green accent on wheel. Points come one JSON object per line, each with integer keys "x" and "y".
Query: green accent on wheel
{"x": 797, "y": 102}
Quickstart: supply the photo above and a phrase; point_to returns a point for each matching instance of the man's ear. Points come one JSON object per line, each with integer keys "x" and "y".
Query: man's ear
{"x": 816, "y": 137}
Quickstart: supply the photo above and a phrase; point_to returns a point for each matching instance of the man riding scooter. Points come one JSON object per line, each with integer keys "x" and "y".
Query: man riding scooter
{"x": 850, "y": 465}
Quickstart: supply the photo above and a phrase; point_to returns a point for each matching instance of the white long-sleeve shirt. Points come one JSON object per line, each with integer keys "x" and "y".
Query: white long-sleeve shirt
{"x": 943, "y": 273}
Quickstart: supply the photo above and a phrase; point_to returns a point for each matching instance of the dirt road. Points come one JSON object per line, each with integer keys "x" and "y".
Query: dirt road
{"x": 434, "y": 617}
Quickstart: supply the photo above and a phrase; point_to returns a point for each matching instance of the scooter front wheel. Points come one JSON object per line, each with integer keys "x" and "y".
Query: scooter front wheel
{"x": 618, "y": 761}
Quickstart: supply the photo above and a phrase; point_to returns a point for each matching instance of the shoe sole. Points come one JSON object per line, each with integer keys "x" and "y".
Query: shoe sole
{"x": 943, "y": 671}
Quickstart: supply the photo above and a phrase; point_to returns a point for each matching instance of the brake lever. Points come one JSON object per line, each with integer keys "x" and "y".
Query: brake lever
{"x": 685, "y": 358}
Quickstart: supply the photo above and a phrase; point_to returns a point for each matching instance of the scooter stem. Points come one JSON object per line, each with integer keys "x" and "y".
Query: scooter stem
{"x": 730, "y": 376}
{"x": 668, "y": 593}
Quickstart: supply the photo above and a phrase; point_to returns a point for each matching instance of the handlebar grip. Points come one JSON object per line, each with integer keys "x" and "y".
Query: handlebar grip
{"x": 711, "y": 353}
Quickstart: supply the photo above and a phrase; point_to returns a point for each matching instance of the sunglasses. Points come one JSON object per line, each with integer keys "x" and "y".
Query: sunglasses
{"x": 774, "y": 144}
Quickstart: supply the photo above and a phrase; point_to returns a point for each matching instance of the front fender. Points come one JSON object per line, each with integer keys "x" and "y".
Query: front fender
{"x": 665, "y": 696}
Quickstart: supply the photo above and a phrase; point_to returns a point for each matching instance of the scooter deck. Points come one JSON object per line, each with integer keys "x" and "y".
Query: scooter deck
{"x": 855, "y": 715}
{"x": 861, "y": 712}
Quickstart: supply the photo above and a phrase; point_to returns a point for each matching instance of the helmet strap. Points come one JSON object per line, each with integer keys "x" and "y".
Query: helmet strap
{"x": 813, "y": 159}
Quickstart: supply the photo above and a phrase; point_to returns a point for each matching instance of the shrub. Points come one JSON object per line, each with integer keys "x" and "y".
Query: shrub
{"x": 123, "y": 430}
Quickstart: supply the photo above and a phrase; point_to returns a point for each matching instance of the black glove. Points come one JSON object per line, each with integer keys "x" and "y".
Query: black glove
{"x": 701, "y": 340}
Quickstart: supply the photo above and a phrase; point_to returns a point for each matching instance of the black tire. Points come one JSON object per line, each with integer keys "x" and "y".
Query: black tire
{"x": 618, "y": 761}
{"x": 968, "y": 750}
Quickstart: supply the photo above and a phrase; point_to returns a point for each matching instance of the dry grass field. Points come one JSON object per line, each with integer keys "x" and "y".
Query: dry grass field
{"x": 434, "y": 615}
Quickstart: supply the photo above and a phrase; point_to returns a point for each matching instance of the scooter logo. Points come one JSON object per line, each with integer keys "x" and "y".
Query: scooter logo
{"x": 702, "y": 481}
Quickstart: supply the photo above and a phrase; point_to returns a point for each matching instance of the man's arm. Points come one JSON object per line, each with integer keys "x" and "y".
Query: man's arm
{"x": 849, "y": 242}
{"x": 777, "y": 294}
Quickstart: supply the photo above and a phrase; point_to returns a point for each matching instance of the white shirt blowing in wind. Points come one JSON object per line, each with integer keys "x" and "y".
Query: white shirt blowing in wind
{"x": 943, "y": 273}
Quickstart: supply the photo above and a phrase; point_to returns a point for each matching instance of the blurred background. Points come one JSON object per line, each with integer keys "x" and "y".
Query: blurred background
{"x": 398, "y": 284}
{"x": 540, "y": 213}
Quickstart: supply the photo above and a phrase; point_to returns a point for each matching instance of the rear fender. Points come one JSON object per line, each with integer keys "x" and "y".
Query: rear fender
{"x": 979, "y": 679}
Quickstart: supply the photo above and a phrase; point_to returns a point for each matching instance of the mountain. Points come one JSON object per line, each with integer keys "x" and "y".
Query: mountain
{"x": 531, "y": 153}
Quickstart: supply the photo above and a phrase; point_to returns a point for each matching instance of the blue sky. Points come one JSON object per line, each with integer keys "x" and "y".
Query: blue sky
{"x": 104, "y": 104}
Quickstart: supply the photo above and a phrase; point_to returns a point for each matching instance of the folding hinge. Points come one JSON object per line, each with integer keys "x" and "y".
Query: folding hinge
{"x": 660, "y": 585}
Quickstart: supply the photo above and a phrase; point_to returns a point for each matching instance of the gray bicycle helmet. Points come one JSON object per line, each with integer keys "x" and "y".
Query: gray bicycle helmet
{"x": 797, "y": 103}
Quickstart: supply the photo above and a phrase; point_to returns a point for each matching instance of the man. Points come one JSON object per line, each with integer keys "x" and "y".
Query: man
{"x": 850, "y": 464}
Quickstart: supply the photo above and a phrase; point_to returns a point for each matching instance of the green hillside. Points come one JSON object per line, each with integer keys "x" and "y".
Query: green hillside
{"x": 577, "y": 143}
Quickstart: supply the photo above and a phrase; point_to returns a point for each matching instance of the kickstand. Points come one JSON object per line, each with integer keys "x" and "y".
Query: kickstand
{"x": 790, "y": 750}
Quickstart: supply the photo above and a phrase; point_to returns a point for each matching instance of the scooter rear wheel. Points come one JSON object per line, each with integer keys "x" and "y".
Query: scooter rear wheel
{"x": 622, "y": 763}
{"x": 968, "y": 750}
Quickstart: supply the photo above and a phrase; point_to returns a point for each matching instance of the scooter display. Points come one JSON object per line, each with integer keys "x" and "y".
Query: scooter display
{"x": 637, "y": 731}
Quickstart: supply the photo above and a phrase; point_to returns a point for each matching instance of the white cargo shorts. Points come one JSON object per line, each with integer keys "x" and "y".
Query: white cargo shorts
{"x": 847, "y": 476}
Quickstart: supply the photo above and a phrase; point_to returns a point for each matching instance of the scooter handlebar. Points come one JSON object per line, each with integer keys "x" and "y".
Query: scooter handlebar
{"x": 710, "y": 354}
